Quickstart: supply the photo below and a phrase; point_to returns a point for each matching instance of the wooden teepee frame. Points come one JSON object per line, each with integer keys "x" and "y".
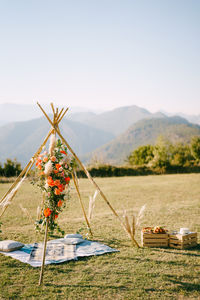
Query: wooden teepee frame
{"x": 57, "y": 117}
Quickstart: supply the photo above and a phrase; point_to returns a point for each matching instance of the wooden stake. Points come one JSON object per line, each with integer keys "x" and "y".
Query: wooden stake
{"x": 82, "y": 206}
{"x": 44, "y": 253}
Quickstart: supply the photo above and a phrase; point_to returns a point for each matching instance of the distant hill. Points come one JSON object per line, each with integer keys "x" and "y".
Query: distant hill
{"x": 145, "y": 132}
{"x": 10, "y": 112}
{"x": 21, "y": 139}
{"x": 195, "y": 119}
{"x": 117, "y": 120}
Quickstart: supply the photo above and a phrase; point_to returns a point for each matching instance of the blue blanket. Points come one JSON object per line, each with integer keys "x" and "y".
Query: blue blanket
{"x": 86, "y": 248}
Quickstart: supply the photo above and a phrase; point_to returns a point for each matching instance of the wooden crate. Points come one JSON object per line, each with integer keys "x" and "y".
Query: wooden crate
{"x": 154, "y": 239}
{"x": 183, "y": 241}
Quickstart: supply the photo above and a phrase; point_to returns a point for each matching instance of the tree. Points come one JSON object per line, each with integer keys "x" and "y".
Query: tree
{"x": 195, "y": 147}
{"x": 11, "y": 168}
{"x": 162, "y": 154}
{"x": 181, "y": 155}
{"x": 142, "y": 155}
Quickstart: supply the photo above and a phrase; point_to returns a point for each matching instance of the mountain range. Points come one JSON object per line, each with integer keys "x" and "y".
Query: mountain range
{"x": 108, "y": 137}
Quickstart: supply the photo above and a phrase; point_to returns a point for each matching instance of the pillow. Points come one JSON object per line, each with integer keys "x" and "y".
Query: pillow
{"x": 73, "y": 236}
{"x": 72, "y": 241}
{"x": 9, "y": 245}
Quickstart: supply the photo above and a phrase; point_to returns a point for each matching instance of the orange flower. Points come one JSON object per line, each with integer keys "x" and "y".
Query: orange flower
{"x": 39, "y": 167}
{"x": 56, "y": 216}
{"x": 47, "y": 212}
{"x": 45, "y": 159}
{"x": 55, "y": 171}
{"x": 57, "y": 182}
{"x": 58, "y": 166}
{"x": 53, "y": 158}
{"x": 57, "y": 192}
{"x": 61, "y": 187}
{"x": 59, "y": 203}
{"x": 62, "y": 151}
{"x": 38, "y": 162}
{"x": 67, "y": 180}
{"x": 42, "y": 173}
{"x": 50, "y": 181}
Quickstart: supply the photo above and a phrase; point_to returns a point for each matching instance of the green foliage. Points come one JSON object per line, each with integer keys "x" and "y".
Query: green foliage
{"x": 166, "y": 155}
{"x": 195, "y": 146}
{"x": 181, "y": 155}
{"x": 142, "y": 155}
{"x": 11, "y": 168}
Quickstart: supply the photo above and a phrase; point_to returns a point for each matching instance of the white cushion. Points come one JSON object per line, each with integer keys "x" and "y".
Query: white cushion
{"x": 73, "y": 236}
{"x": 9, "y": 245}
{"x": 72, "y": 241}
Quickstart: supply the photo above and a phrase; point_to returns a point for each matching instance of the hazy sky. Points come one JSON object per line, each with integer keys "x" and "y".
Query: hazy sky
{"x": 101, "y": 53}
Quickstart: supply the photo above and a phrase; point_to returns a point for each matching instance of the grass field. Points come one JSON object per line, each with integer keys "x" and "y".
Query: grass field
{"x": 172, "y": 201}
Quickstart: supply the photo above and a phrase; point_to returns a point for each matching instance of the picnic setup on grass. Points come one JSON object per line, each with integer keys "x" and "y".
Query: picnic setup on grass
{"x": 56, "y": 168}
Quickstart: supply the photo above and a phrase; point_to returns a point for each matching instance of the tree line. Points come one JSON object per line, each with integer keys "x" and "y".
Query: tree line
{"x": 165, "y": 155}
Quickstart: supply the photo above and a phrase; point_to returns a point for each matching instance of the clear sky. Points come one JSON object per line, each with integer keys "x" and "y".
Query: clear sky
{"x": 101, "y": 53}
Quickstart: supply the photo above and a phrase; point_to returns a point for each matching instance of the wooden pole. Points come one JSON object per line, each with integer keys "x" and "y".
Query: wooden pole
{"x": 59, "y": 114}
{"x": 15, "y": 192}
{"x": 63, "y": 115}
{"x": 44, "y": 253}
{"x": 28, "y": 165}
{"x": 82, "y": 206}
{"x": 89, "y": 176}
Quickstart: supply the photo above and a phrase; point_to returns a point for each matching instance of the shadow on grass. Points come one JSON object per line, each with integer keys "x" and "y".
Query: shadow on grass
{"x": 188, "y": 252}
{"x": 89, "y": 286}
{"x": 186, "y": 286}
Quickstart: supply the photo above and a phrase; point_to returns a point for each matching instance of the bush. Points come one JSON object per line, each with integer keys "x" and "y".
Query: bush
{"x": 11, "y": 168}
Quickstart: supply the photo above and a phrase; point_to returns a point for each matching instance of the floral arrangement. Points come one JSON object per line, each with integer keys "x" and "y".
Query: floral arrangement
{"x": 156, "y": 229}
{"x": 53, "y": 170}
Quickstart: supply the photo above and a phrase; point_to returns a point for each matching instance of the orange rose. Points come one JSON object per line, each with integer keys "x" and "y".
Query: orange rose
{"x": 45, "y": 159}
{"x": 47, "y": 212}
{"x": 50, "y": 181}
{"x": 62, "y": 151}
{"x": 61, "y": 187}
{"x": 58, "y": 166}
{"x": 57, "y": 192}
{"x": 57, "y": 182}
{"x": 42, "y": 173}
{"x": 53, "y": 158}
{"x": 59, "y": 203}
{"x": 67, "y": 180}
{"x": 56, "y": 216}
{"x": 38, "y": 162}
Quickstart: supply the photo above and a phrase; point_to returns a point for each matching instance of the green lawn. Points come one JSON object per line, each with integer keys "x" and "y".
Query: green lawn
{"x": 172, "y": 201}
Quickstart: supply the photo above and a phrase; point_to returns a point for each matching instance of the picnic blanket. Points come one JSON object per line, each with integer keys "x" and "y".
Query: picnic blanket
{"x": 58, "y": 252}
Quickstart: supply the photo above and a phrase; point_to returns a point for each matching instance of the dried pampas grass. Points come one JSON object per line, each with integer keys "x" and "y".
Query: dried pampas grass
{"x": 26, "y": 212}
{"x": 140, "y": 215}
{"x": 132, "y": 225}
{"x": 91, "y": 205}
{"x": 11, "y": 195}
{"x": 48, "y": 168}
{"x": 52, "y": 144}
